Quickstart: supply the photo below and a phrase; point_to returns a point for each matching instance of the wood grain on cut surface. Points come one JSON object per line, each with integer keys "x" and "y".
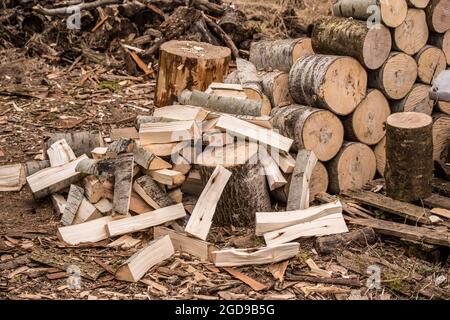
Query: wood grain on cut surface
{"x": 92, "y": 231}
{"x": 299, "y": 189}
{"x": 12, "y": 177}
{"x": 145, "y": 220}
{"x": 265, "y": 255}
{"x": 202, "y": 216}
{"x": 60, "y": 153}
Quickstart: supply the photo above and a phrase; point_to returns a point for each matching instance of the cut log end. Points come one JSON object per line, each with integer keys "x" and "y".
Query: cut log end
{"x": 393, "y": 12}
{"x": 352, "y": 168}
{"x": 430, "y": 62}
{"x": 412, "y": 34}
{"x": 377, "y": 46}
{"x": 417, "y": 100}
{"x": 366, "y": 124}
{"x": 438, "y": 15}
{"x": 345, "y": 85}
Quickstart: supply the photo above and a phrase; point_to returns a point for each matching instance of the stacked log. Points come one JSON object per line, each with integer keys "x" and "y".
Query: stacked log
{"x": 362, "y": 67}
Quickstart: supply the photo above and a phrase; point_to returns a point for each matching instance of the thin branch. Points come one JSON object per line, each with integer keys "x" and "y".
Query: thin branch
{"x": 81, "y": 6}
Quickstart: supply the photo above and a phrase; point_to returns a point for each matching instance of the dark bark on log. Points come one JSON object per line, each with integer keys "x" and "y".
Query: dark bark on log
{"x": 409, "y": 136}
{"x": 330, "y": 244}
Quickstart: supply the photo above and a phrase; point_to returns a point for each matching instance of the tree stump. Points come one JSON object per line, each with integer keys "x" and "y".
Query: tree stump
{"x": 441, "y": 41}
{"x": 430, "y": 62}
{"x": 409, "y": 156}
{"x": 329, "y": 82}
{"x": 352, "y": 168}
{"x": 348, "y": 37}
{"x": 366, "y": 123}
{"x": 438, "y": 15}
{"x": 396, "y": 77}
{"x": 246, "y": 192}
{"x": 441, "y": 136}
{"x": 380, "y": 155}
{"x": 417, "y": 100}
{"x": 393, "y": 12}
{"x": 412, "y": 34}
{"x": 310, "y": 128}
{"x": 279, "y": 54}
{"x": 188, "y": 65}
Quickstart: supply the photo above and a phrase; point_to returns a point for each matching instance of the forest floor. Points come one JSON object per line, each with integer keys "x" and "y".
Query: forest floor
{"x": 63, "y": 98}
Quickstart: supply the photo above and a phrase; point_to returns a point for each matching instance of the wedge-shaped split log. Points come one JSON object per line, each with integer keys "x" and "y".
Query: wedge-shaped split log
{"x": 299, "y": 189}
{"x": 152, "y": 194}
{"x": 202, "y": 216}
{"x": 275, "y": 177}
{"x": 74, "y": 199}
{"x": 60, "y": 153}
{"x": 123, "y": 174}
{"x": 86, "y": 212}
{"x": 138, "y": 264}
{"x": 184, "y": 243}
{"x": 270, "y": 221}
{"x": 145, "y": 220}
{"x": 12, "y": 177}
{"x": 99, "y": 168}
{"x": 179, "y": 113}
{"x": 166, "y": 132}
{"x": 147, "y": 160}
{"x": 54, "y": 179}
{"x": 168, "y": 177}
{"x": 92, "y": 231}
{"x": 266, "y": 255}
{"x": 240, "y": 127}
{"x": 331, "y": 224}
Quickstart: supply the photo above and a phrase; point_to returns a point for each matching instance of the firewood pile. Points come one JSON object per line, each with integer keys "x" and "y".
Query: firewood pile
{"x": 332, "y": 137}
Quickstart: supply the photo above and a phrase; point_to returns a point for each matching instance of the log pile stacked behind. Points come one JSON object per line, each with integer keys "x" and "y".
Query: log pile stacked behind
{"x": 358, "y": 72}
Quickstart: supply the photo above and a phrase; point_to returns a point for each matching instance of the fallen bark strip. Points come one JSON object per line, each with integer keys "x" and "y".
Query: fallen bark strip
{"x": 399, "y": 208}
{"x": 329, "y": 244}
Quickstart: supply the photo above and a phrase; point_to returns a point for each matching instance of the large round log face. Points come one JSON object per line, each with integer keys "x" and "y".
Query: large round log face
{"x": 352, "y": 168}
{"x": 323, "y": 133}
{"x": 417, "y": 100}
{"x": 188, "y": 65}
{"x": 444, "y": 106}
{"x": 409, "y": 156}
{"x": 412, "y": 34}
{"x": 393, "y": 12}
{"x": 396, "y": 77}
{"x": 377, "y": 46}
{"x": 344, "y": 85}
{"x": 430, "y": 62}
{"x": 438, "y": 15}
{"x": 366, "y": 124}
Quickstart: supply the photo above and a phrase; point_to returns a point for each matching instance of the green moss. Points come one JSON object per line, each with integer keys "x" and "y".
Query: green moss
{"x": 111, "y": 85}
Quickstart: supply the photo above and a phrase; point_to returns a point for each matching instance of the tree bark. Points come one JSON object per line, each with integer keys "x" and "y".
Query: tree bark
{"x": 396, "y": 76}
{"x": 409, "y": 136}
{"x": 188, "y": 65}
{"x": 310, "y": 128}
{"x": 329, "y": 82}
{"x": 348, "y": 37}
{"x": 366, "y": 123}
{"x": 330, "y": 244}
{"x": 279, "y": 54}
{"x": 353, "y": 166}
{"x": 392, "y": 12}
{"x": 246, "y": 192}
{"x": 275, "y": 86}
